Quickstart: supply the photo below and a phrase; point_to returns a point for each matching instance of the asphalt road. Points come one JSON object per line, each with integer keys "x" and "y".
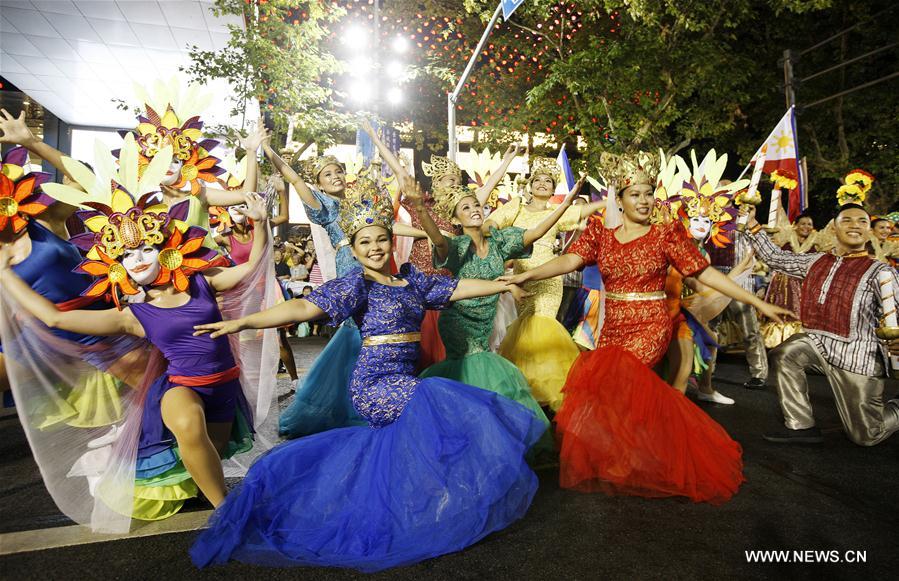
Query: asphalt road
{"x": 834, "y": 497}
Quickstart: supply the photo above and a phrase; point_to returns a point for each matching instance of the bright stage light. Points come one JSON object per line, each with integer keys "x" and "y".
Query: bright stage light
{"x": 395, "y": 96}
{"x": 396, "y": 69}
{"x": 360, "y": 92}
{"x": 355, "y": 36}
{"x": 360, "y": 66}
{"x": 400, "y": 45}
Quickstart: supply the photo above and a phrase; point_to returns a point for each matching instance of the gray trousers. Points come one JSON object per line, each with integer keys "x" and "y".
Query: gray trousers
{"x": 744, "y": 316}
{"x": 859, "y": 399}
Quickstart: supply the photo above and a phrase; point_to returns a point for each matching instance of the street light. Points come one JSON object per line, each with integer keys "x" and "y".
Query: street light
{"x": 395, "y": 70}
{"x": 395, "y": 96}
{"x": 400, "y": 45}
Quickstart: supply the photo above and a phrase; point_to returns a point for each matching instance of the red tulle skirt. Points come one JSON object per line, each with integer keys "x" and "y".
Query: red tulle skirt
{"x": 432, "y": 349}
{"x": 625, "y": 431}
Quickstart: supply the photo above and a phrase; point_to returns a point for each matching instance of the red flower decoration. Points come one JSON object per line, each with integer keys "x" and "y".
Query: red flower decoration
{"x": 177, "y": 263}
{"x": 18, "y": 201}
{"x": 114, "y": 277}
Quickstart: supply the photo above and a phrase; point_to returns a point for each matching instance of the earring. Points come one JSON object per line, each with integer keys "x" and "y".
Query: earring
{"x": 620, "y": 209}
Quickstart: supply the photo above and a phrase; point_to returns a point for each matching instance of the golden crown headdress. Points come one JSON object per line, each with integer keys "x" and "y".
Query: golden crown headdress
{"x": 855, "y": 187}
{"x": 628, "y": 169}
{"x": 308, "y": 169}
{"x": 364, "y": 205}
{"x": 448, "y": 198}
{"x": 441, "y": 166}
{"x": 545, "y": 166}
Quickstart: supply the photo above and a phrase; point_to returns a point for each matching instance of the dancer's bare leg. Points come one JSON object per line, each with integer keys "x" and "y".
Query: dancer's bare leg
{"x": 183, "y": 415}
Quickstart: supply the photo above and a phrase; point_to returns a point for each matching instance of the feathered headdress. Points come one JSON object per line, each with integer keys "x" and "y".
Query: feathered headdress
{"x": 703, "y": 194}
{"x": 364, "y": 205}
{"x": 171, "y": 119}
{"x": 117, "y": 222}
{"x": 20, "y": 196}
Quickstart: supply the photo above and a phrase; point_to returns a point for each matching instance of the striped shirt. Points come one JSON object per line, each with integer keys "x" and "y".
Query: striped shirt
{"x": 845, "y": 332}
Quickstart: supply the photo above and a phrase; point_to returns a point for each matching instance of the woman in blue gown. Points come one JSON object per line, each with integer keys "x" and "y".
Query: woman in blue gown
{"x": 322, "y": 401}
{"x": 440, "y": 466}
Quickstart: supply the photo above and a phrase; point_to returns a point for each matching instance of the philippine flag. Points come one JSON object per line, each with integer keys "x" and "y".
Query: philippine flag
{"x": 566, "y": 181}
{"x": 783, "y": 154}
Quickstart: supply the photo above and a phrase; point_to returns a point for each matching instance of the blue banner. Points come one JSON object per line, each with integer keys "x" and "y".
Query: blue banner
{"x": 510, "y": 6}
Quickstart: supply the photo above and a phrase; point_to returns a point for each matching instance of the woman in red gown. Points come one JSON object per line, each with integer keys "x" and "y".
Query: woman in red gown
{"x": 622, "y": 429}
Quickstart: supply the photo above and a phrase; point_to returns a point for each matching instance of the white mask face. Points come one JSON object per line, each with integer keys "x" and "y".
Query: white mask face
{"x": 174, "y": 173}
{"x": 700, "y": 227}
{"x": 236, "y": 216}
{"x": 142, "y": 264}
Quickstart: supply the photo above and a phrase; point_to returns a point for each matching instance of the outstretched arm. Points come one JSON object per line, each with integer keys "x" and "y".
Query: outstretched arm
{"x": 777, "y": 258}
{"x": 283, "y": 204}
{"x": 469, "y": 288}
{"x": 222, "y": 279}
{"x": 392, "y": 162}
{"x": 538, "y": 231}
{"x": 717, "y": 280}
{"x": 497, "y": 175}
{"x": 104, "y": 322}
{"x": 15, "y": 131}
{"x": 556, "y": 267}
{"x": 588, "y": 210}
{"x": 291, "y": 176}
{"x": 412, "y": 192}
{"x": 292, "y": 311}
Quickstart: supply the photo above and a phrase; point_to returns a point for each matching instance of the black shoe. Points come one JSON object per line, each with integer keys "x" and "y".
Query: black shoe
{"x": 755, "y": 383}
{"x": 786, "y": 436}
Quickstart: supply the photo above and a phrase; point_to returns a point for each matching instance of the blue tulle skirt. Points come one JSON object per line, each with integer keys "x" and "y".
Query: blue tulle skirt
{"x": 448, "y": 472}
{"x": 322, "y": 401}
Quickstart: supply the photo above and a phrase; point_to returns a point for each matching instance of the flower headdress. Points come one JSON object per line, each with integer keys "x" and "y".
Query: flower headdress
{"x": 448, "y": 198}
{"x": 855, "y": 187}
{"x": 116, "y": 222}
{"x": 545, "y": 166}
{"x": 667, "y": 193}
{"x": 364, "y": 205}
{"x": 441, "y": 166}
{"x": 20, "y": 198}
{"x": 178, "y": 127}
{"x": 703, "y": 194}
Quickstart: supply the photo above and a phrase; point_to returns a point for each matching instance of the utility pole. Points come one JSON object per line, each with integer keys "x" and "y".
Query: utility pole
{"x": 789, "y": 91}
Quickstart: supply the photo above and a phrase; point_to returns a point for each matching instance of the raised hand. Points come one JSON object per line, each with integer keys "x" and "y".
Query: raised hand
{"x": 255, "y": 209}
{"x": 255, "y": 138}
{"x": 218, "y": 329}
{"x": 13, "y": 129}
{"x": 367, "y": 128}
{"x": 412, "y": 192}
{"x": 569, "y": 199}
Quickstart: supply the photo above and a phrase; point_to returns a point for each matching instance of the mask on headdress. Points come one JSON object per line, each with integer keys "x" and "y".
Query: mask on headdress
{"x": 178, "y": 127}
{"x": 364, "y": 205}
{"x": 117, "y": 224}
{"x": 20, "y": 196}
{"x": 704, "y": 202}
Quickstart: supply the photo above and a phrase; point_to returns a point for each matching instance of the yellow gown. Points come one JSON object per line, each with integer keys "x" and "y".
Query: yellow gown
{"x": 536, "y": 342}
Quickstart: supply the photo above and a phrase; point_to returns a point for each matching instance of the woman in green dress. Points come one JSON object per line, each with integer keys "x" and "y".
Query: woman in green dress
{"x": 480, "y": 253}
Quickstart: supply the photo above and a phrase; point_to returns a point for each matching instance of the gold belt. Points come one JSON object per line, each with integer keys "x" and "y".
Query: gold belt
{"x": 387, "y": 339}
{"x": 341, "y": 244}
{"x": 653, "y": 296}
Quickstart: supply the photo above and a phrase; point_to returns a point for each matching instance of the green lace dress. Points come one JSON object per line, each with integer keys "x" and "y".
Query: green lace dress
{"x": 465, "y": 327}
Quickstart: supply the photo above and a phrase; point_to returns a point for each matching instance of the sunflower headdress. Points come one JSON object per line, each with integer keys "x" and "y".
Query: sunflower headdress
{"x": 855, "y": 187}
{"x": 20, "y": 196}
{"x": 117, "y": 222}
{"x": 171, "y": 119}
{"x": 667, "y": 193}
{"x": 703, "y": 194}
{"x": 364, "y": 205}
